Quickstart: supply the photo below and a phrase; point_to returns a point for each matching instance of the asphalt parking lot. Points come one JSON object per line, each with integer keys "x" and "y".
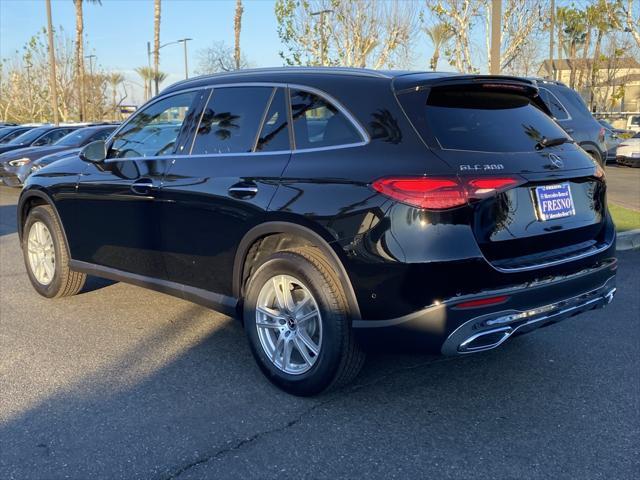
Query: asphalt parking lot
{"x": 623, "y": 186}
{"x": 120, "y": 382}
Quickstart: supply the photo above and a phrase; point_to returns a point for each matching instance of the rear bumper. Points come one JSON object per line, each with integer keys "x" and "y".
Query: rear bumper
{"x": 628, "y": 161}
{"x": 452, "y": 330}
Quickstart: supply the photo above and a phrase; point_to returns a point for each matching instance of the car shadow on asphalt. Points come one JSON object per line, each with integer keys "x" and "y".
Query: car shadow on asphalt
{"x": 8, "y": 223}
{"x": 96, "y": 283}
{"x": 121, "y": 421}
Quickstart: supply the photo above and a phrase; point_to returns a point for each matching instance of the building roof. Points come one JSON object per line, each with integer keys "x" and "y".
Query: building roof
{"x": 581, "y": 64}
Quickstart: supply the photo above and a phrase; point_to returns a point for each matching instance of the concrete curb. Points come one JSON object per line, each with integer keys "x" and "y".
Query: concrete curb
{"x": 629, "y": 240}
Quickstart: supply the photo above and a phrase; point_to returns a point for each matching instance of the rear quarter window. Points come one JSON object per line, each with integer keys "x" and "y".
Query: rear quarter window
{"x": 318, "y": 124}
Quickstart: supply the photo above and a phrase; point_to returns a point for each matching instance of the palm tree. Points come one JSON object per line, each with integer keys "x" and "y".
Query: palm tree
{"x": 80, "y": 54}
{"x": 148, "y": 75}
{"x": 156, "y": 42}
{"x": 237, "y": 26}
{"x": 114, "y": 79}
{"x": 440, "y": 34}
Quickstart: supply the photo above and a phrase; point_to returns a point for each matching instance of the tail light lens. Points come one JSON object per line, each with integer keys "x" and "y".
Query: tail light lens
{"x": 441, "y": 193}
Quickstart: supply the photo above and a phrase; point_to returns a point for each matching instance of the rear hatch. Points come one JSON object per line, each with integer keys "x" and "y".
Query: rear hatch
{"x": 553, "y": 203}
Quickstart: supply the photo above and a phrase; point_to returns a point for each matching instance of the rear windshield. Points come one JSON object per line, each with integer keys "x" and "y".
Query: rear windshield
{"x": 459, "y": 118}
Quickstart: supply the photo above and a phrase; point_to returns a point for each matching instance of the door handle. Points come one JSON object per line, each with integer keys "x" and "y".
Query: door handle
{"x": 569, "y": 130}
{"x": 142, "y": 186}
{"x": 243, "y": 190}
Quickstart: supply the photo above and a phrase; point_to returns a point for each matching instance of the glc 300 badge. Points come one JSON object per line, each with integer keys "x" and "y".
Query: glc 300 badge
{"x": 483, "y": 166}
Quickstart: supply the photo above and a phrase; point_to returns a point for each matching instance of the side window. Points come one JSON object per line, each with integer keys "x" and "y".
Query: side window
{"x": 231, "y": 120}
{"x": 557, "y": 109}
{"x": 100, "y": 135}
{"x": 51, "y": 137}
{"x": 274, "y": 135}
{"x": 153, "y": 131}
{"x": 317, "y": 123}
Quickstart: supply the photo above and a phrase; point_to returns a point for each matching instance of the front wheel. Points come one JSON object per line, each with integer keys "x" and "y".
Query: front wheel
{"x": 299, "y": 331}
{"x": 45, "y": 255}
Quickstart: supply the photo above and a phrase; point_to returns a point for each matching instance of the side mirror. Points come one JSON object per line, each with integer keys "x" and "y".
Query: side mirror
{"x": 95, "y": 152}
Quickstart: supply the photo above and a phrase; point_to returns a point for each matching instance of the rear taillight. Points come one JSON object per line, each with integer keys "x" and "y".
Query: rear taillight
{"x": 440, "y": 193}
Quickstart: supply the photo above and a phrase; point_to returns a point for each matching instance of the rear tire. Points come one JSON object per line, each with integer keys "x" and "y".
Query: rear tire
{"x": 306, "y": 274}
{"x": 46, "y": 255}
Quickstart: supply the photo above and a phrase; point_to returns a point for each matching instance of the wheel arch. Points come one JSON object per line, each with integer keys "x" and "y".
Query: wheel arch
{"x": 30, "y": 199}
{"x": 305, "y": 234}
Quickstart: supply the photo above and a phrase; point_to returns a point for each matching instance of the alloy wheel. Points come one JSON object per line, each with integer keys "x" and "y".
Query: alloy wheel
{"x": 289, "y": 324}
{"x": 42, "y": 255}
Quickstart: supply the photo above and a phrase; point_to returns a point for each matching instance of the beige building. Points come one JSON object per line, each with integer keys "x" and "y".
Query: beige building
{"x": 617, "y": 85}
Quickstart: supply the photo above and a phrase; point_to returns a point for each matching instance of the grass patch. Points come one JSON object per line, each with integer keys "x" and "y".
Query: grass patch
{"x": 624, "y": 218}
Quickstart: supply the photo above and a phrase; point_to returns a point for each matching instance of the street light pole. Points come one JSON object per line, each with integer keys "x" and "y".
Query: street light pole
{"x": 186, "y": 66}
{"x": 149, "y": 64}
{"x": 52, "y": 67}
{"x": 323, "y": 41}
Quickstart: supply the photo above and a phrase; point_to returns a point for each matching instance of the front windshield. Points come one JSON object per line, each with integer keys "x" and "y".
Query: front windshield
{"x": 75, "y": 139}
{"x": 28, "y": 137}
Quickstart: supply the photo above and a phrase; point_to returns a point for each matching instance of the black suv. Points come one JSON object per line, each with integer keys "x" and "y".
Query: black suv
{"x": 332, "y": 209}
{"x": 568, "y": 108}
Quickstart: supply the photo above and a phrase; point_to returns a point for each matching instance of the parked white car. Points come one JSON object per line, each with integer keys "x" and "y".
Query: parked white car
{"x": 628, "y": 152}
{"x": 633, "y": 123}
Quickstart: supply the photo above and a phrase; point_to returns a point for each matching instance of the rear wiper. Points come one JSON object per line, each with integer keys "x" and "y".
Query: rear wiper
{"x": 552, "y": 142}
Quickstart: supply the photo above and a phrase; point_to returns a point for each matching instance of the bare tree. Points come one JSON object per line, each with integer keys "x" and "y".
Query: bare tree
{"x": 24, "y": 85}
{"x": 632, "y": 19}
{"x": 219, "y": 57}
{"x": 237, "y": 27}
{"x": 357, "y": 33}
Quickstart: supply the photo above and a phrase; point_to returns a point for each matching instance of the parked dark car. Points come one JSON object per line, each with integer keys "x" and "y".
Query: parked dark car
{"x": 15, "y": 166}
{"x": 37, "y": 137}
{"x": 9, "y": 133}
{"x": 334, "y": 209}
{"x": 54, "y": 157}
{"x": 573, "y": 115}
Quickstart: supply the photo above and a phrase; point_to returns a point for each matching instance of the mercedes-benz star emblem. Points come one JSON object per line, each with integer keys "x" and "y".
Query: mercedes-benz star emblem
{"x": 556, "y": 161}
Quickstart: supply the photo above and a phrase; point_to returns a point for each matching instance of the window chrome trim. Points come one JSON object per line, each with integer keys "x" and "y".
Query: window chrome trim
{"x": 366, "y": 139}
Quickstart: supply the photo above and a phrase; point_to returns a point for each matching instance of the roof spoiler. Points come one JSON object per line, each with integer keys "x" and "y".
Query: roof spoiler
{"x": 515, "y": 85}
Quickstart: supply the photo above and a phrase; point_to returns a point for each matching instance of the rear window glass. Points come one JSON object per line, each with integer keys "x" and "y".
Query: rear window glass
{"x": 317, "y": 123}
{"x": 476, "y": 120}
{"x": 231, "y": 120}
{"x": 555, "y": 106}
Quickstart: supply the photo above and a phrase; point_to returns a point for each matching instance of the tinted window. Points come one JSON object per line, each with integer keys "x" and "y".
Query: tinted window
{"x": 317, "y": 123}
{"x": 557, "y": 109}
{"x": 275, "y": 130}
{"x": 27, "y": 137}
{"x": 52, "y": 137}
{"x": 101, "y": 134}
{"x": 154, "y": 130}
{"x": 76, "y": 138}
{"x": 231, "y": 120}
{"x": 464, "y": 119}
{"x": 13, "y": 134}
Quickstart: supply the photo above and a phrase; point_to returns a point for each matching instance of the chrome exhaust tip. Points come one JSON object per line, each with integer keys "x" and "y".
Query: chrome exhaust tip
{"x": 608, "y": 297}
